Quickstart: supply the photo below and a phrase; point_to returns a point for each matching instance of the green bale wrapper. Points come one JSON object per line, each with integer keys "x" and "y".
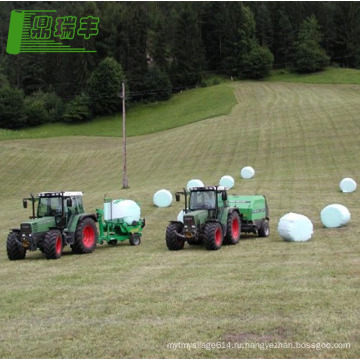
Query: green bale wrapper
{"x": 120, "y": 220}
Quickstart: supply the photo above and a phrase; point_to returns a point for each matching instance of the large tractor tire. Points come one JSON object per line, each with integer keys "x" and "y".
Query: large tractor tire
{"x": 213, "y": 236}
{"x": 233, "y": 228}
{"x": 15, "y": 251}
{"x": 173, "y": 242}
{"x": 264, "y": 230}
{"x": 53, "y": 245}
{"x": 86, "y": 236}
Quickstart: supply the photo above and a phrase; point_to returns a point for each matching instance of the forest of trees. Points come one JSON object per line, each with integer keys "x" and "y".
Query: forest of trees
{"x": 159, "y": 48}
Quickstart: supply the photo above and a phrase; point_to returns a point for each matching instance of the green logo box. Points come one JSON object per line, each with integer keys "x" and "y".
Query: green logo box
{"x": 32, "y": 31}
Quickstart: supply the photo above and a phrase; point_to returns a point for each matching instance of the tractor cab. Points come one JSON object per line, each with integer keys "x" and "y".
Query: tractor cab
{"x": 60, "y": 206}
{"x": 207, "y": 198}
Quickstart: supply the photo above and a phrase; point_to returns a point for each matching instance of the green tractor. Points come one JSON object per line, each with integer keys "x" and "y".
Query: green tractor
{"x": 214, "y": 218}
{"x": 59, "y": 220}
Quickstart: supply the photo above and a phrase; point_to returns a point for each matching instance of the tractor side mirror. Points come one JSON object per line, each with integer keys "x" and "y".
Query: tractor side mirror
{"x": 177, "y": 197}
{"x": 25, "y": 204}
{"x": 69, "y": 202}
{"x": 224, "y": 196}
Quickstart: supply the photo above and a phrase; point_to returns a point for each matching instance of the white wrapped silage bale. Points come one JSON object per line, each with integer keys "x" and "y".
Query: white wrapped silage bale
{"x": 347, "y": 185}
{"x": 335, "y": 215}
{"x": 194, "y": 183}
{"x": 180, "y": 216}
{"x": 128, "y": 210}
{"x": 295, "y": 227}
{"x": 247, "y": 172}
{"x": 163, "y": 198}
{"x": 227, "y": 181}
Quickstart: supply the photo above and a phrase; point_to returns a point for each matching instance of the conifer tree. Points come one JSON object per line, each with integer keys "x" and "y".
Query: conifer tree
{"x": 309, "y": 55}
{"x": 104, "y": 87}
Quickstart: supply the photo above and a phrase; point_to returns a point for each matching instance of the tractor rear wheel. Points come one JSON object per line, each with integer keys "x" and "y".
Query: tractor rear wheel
{"x": 264, "y": 230}
{"x": 173, "y": 242}
{"x": 86, "y": 236}
{"x": 213, "y": 236}
{"x": 233, "y": 229}
{"x": 15, "y": 251}
{"x": 53, "y": 245}
{"x": 135, "y": 239}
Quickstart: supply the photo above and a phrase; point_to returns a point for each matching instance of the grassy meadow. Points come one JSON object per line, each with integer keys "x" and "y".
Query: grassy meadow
{"x": 183, "y": 108}
{"x": 132, "y": 302}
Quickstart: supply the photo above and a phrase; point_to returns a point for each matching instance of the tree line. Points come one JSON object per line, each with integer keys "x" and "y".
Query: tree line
{"x": 159, "y": 48}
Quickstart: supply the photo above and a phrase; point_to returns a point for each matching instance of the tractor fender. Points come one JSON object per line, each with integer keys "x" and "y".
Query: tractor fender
{"x": 176, "y": 222}
{"x": 74, "y": 220}
{"x": 231, "y": 210}
{"x": 64, "y": 235}
{"x": 212, "y": 221}
{"x": 225, "y": 215}
{"x": 84, "y": 216}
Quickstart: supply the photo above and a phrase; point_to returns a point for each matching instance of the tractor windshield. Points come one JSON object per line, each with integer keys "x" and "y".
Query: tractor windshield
{"x": 49, "y": 206}
{"x": 202, "y": 200}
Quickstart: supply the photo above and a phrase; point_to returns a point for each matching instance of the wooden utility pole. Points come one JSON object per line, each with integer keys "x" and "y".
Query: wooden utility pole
{"x": 125, "y": 179}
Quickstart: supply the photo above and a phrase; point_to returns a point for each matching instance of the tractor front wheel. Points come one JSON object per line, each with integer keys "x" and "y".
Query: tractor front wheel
{"x": 53, "y": 245}
{"x": 86, "y": 236}
{"x": 173, "y": 242}
{"x": 14, "y": 249}
{"x": 233, "y": 229}
{"x": 213, "y": 236}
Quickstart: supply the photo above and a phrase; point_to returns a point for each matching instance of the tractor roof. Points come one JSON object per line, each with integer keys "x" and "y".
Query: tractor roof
{"x": 208, "y": 188}
{"x": 60, "y": 193}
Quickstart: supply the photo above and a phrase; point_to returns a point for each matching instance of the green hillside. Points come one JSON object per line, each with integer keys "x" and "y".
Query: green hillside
{"x": 330, "y": 76}
{"x": 183, "y": 108}
{"x": 132, "y": 302}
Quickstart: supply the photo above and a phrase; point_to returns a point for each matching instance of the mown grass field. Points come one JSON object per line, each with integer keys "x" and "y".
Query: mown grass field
{"x": 130, "y": 302}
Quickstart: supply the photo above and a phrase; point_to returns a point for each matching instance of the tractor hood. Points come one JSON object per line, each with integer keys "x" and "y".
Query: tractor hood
{"x": 196, "y": 217}
{"x": 37, "y": 225}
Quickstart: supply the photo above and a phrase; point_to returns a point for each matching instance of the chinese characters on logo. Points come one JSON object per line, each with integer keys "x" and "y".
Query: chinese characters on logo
{"x": 64, "y": 27}
{"x": 35, "y": 31}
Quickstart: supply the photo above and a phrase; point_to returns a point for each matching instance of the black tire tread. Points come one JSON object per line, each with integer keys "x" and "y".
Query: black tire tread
{"x": 49, "y": 244}
{"x": 14, "y": 250}
{"x": 135, "y": 240}
{"x": 229, "y": 239}
{"x": 172, "y": 241}
{"x": 79, "y": 246}
{"x": 209, "y": 235}
{"x": 264, "y": 230}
